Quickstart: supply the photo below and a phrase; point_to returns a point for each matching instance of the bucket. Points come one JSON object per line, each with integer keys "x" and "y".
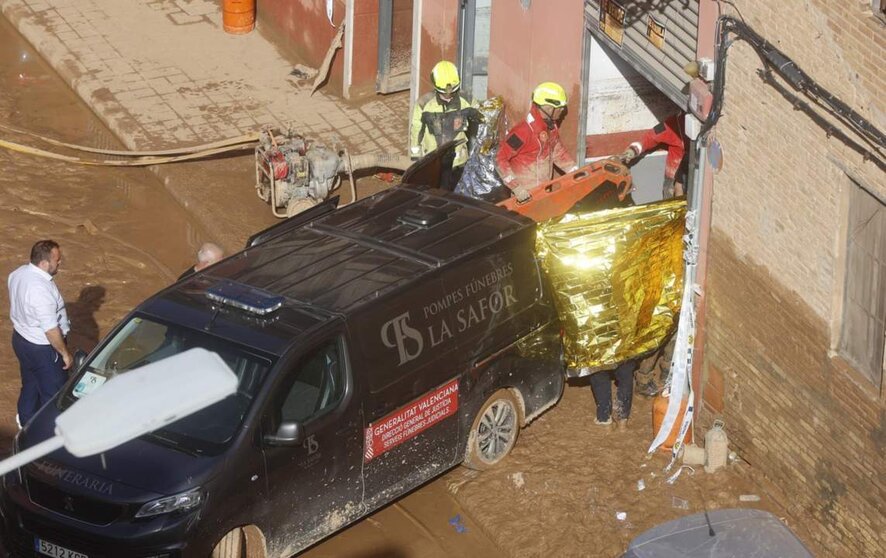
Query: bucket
{"x": 659, "y": 408}
{"x": 238, "y": 16}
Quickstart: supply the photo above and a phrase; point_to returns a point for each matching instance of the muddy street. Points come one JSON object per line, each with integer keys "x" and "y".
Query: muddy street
{"x": 122, "y": 235}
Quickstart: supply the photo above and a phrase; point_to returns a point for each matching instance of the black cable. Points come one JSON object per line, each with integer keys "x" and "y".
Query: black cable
{"x": 775, "y": 60}
{"x": 818, "y": 102}
{"x": 822, "y": 122}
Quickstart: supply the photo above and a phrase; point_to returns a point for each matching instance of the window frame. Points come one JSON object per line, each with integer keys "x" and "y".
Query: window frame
{"x": 876, "y": 379}
{"x": 274, "y": 409}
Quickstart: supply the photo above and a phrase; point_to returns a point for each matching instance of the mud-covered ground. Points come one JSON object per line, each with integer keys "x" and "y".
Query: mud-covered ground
{"x": 560, "y": 491}
{"x": 124, "y": 237}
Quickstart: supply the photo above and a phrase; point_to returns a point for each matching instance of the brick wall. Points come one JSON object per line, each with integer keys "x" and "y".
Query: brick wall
{"x": 812, "y": 425}
{"x": 809, "y": 424}
{"x": 782, "y": 186}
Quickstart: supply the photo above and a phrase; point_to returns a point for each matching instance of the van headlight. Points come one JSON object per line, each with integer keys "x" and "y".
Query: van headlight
{"x": 186, "y": 501}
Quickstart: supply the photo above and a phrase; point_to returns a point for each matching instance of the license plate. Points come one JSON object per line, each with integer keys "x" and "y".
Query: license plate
{"x": 51, "y": 549}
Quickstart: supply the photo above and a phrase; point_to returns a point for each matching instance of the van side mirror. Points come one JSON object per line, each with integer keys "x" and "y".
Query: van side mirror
{"x": 79, "y": 359}
{"x": 288, "y": 434}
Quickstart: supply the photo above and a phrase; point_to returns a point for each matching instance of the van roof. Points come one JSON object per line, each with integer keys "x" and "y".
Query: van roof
{"x": 346, "y": 258}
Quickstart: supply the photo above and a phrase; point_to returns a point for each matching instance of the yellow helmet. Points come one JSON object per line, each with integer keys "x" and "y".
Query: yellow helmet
{"x": 445, "y": 77}
{"x": 550, "y": 94}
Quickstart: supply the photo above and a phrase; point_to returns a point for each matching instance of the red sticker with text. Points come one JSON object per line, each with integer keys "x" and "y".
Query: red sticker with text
{"x": 411, "y": 420}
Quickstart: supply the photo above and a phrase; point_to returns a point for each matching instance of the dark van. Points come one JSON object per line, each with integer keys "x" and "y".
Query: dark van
{"x": 376, "y": 346}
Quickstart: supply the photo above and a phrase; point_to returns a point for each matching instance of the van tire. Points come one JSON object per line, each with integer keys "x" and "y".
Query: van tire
{"x": 494, "y": 431}
{"x": 242, "y": 542}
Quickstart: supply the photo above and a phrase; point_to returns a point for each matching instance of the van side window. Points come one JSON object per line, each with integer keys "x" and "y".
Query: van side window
{"x": 318, "y": 384}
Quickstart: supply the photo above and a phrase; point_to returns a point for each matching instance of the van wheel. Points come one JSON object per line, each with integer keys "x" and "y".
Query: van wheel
{"x": 494, "y": 431}
{"x": 242, "y": 542}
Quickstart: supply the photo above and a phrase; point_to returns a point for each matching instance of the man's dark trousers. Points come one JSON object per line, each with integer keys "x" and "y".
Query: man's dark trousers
{"x": 42, "y": 375}
{"x": 601, "y": 385}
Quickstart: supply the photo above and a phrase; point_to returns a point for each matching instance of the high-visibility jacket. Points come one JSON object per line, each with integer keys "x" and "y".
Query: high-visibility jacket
{"x": 434, "y": 124}
{"x": 670, "y": 134}
{"x": 527, "y": 155}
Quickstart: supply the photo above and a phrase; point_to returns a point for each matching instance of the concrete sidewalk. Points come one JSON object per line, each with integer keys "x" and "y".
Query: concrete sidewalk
{"x": 163, "y": 73}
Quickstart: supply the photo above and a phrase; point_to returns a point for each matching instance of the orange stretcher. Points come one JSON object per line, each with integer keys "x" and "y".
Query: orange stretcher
{"x": 556, "y": 197}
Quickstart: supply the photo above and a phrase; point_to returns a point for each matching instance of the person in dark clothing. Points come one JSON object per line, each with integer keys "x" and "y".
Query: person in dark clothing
{"x": 40, "y": 324}
{"x": 601, "y": 386}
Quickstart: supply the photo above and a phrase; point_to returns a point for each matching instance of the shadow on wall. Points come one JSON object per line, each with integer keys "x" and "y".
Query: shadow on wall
{"x": 84, "y": 332}
{"x": 638, "y": 9}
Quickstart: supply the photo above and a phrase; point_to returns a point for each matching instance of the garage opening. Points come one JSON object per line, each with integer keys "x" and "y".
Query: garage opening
{"x": 633, "y": 80}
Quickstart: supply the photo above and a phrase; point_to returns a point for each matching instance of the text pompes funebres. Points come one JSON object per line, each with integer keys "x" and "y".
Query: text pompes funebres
{"x": 488, "y": 295}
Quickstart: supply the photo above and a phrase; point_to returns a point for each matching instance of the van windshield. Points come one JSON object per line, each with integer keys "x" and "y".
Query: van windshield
{"x": 143, "y": 341}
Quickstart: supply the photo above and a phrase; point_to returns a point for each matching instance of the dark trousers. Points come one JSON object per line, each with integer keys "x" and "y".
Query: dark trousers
{"x": 42, "y": 375}
{"x": 601, "y": 385}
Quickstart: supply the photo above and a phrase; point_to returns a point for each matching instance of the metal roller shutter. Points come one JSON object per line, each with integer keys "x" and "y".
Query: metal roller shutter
{"x": 630, "y": 28}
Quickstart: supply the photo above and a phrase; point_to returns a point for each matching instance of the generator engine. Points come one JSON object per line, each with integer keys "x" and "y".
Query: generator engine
{"x": 294, "y": 173}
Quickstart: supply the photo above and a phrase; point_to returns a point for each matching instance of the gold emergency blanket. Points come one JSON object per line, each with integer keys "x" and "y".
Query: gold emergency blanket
{"x": 617, "y": 277}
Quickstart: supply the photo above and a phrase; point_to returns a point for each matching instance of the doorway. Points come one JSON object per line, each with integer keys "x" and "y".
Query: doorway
{"x": 394, "y": 45}
{"x": 474, "y": 20}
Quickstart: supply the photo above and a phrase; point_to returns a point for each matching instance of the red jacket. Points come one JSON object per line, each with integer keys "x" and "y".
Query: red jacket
{"x": 670, "y": 134}
{"x": 528, "y": 153}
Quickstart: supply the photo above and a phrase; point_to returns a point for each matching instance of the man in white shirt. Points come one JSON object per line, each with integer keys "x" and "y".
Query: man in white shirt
{"x": 40, "y": 325}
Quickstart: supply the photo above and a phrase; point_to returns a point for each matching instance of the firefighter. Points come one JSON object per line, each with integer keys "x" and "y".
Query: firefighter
{"x": 441, "y": 116}
{"x": 527, "y": 154}
{"x": 669, "y": 134}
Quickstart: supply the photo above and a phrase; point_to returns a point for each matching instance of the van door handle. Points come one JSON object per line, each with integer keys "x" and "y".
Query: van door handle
{"x": 348, "y": 427}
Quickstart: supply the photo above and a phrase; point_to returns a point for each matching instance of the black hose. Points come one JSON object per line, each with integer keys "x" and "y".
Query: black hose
{"x": 822, "y": 122}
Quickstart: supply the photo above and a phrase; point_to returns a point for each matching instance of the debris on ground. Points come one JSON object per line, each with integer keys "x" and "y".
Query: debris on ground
{"x": 302, "y": 72}
{"x": 679, "y": 503}
{"x": 456, "y": 522}
{"x": 518, "y": 480}
{"x": 90, "y": 227}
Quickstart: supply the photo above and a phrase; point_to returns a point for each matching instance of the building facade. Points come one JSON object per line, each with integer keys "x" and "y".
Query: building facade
{"x": 790, "y": 351}
{"x": 796, "y": 286}
{"x": 376, "y": 52}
